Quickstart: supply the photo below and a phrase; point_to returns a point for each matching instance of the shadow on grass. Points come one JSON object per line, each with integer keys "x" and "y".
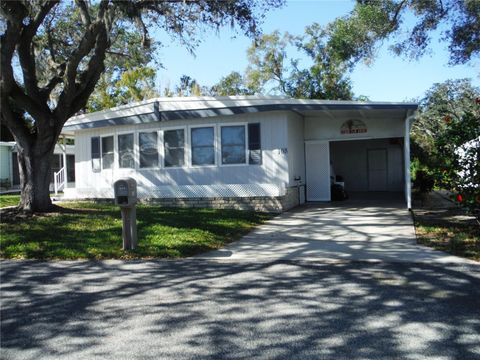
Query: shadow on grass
{"x": 94, "y": 231}
{"x": 283, "y": 310}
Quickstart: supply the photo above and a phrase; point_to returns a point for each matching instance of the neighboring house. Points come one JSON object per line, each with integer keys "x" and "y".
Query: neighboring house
{"x": 266, "y": 153}
{"x": 10, "y": 177}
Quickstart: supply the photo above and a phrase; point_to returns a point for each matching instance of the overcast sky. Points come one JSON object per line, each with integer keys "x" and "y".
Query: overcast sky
{"x": 389, "y": 78}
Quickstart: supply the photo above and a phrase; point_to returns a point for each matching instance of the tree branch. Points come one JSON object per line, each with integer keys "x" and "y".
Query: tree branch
{"x": 25, "y": 50}
{"x": 54, "y": 81}
{"x": 89, "y": 78}
{"x": 84, "y": 14}
{"x": 25, "y": 102}
{"x": 8, "y": 41}
{"x": 21, "y": 133}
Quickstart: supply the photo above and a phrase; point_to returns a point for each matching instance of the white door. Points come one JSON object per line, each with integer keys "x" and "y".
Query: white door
{"x": 377, "y": 170}
{"x": 317, "y": 156}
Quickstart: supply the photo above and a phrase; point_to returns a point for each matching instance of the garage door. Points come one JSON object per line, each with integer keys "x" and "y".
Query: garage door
{"x": 317, "y": 157}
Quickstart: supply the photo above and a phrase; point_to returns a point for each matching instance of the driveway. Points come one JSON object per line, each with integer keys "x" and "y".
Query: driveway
{"x": 376, "y": 229}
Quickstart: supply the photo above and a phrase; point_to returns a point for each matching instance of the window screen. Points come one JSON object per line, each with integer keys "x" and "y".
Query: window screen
{"x": 107, "y": 152}
{"x": 125, "y": 151}
{"x": 233, "y": 144}
{"x": 95, "y": 153}
{"x": 203, "y": 148}
{"x": 148, "y": 144}
{"x": 174, "y": 143}
{"x": 254, "y": 144}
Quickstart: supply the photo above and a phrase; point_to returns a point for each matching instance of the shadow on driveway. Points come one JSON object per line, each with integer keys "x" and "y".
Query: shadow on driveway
{"x": 238, "y": 310}
{"x": 359, "y": 230}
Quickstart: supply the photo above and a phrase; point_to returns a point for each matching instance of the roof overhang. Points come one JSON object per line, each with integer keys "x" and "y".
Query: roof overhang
{"x": 170, "y": 109}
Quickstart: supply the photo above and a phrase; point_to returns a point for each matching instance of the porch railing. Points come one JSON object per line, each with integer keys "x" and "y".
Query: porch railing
{"x": 59, "y": 180}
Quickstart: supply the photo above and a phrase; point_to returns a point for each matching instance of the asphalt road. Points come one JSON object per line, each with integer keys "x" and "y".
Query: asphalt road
{"x": 193, "y": 309}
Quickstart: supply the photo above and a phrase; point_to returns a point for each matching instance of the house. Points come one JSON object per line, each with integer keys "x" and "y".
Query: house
{"x": 62, "y": 154}
{"x": 265, "y": 153}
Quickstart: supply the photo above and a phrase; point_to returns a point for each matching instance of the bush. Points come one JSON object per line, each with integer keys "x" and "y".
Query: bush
{"x": 424, "y": 181}
{"x": 5, "y": 183}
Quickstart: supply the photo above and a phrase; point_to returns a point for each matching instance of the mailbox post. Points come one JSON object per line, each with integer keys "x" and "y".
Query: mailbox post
{"x": 125, "y": 191}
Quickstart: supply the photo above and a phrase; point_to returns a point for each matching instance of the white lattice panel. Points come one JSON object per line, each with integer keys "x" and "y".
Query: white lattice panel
{"x": 193, "y": 191}
{"x": 318, "y": 171}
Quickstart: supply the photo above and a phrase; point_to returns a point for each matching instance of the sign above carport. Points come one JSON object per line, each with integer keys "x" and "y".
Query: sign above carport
{"x": 353, "y": 126}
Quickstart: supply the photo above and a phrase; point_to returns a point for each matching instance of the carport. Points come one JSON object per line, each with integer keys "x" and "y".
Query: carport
{"x": 369, "y": 165}
{"x": 364, "y": 148}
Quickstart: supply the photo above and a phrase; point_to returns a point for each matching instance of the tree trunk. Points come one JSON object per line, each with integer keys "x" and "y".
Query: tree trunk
{"x": 35, "y": 175}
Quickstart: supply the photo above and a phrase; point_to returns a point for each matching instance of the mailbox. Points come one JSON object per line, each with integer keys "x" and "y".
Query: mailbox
{"x": 125, "y": 192}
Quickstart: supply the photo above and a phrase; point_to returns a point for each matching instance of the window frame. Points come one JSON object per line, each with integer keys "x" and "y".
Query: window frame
{"x": 190, "y": 144}
{"x": 99, "y": 153}
{"x": 138, "y": 154}
{"x": 135, "y": 163}
{"x": 245, "y": 126}
{"x": 113, "y": 167}
{"x": 185, "y": 147}
{"x": 260, "y": 143}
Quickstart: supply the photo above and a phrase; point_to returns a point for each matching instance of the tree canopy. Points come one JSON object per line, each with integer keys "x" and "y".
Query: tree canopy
{"x": 446, "y": 140}
{"x": 358, "y": 34}
{"x": 272, "y": 70}
{"x": 133, "y": 85}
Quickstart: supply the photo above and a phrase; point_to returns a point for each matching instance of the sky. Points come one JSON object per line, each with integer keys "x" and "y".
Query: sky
{"x": 389, "y": 78}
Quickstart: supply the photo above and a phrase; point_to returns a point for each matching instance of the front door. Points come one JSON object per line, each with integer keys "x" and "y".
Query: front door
{"x": 317, "y": 157}
{"x": 377, "y": 170}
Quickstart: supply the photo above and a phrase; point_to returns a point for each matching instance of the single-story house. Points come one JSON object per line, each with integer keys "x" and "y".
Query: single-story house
{"x": 266, "y": 153}
{"x": 63, "y": 160}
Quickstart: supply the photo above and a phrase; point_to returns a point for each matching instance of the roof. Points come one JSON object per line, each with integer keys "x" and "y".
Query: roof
{"x": 176, "y": 108}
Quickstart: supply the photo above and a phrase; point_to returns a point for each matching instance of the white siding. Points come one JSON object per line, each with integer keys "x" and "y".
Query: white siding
{"x": 296, "y": 148}
{"x": 269, "y": 178}
{"x": 326, "y": 128}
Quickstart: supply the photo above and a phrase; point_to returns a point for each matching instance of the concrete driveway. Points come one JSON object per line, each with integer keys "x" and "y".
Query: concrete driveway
{"x": 366, "y": 229}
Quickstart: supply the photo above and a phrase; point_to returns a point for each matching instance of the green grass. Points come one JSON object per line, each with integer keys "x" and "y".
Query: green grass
{"x": 460, "y": 240}
{"x": 93, "y": 231}
{"x": 9, "y": 200}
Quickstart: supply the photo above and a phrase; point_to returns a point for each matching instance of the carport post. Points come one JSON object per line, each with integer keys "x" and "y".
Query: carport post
{"x": 408, "y": 183}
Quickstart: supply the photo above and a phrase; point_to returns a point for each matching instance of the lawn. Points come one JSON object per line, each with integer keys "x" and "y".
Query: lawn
{"x": 9, "y": 200}
{"x": 93, "y": 231}
{"x": 461, "y": 238}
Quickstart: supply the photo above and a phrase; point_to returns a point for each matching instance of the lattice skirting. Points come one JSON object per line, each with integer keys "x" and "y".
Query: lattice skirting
{"x": 269, "y": 198}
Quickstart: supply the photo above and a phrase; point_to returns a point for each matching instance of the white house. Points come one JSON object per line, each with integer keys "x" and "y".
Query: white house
{"x": 63, "y": 165}
{"x": 266, "y": 153}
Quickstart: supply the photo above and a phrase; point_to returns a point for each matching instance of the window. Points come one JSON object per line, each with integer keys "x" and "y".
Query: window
{"x": 95, "y": 153}
{"x": 57, "y": 164}
{"x": 254, "y": 145}
{"x": 174, "y": 143}
{"x": 233, "y": 144}
{"x": 70, "y": 168}
{"x": 126, "y": 158}
{"x": 203, "y": 148}
{"x": 148, "y": 144}
{"x": 107, "y": 152}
